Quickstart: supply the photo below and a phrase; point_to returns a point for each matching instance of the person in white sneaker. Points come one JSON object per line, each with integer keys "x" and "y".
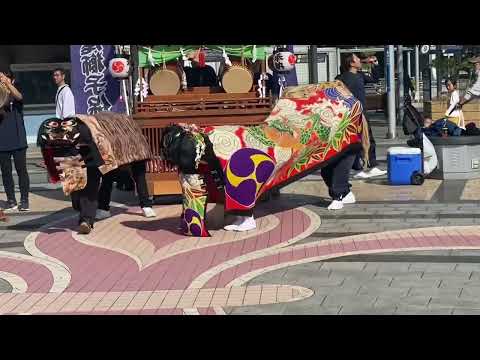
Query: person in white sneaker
{"x": 244, "y": 222}
{"x": 138, "y": 171}
{"x": 335, "y": 175}
{"x": 355, "y": 79}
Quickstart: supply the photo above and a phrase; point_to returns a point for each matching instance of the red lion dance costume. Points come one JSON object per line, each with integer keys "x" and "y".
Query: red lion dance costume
{"x": 309, "y": 127}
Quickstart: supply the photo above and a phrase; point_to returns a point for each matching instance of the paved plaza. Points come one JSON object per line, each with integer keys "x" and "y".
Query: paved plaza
{"x": 398, "y": 250}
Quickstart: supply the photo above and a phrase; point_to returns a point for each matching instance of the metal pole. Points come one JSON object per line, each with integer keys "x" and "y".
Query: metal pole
{"x": 391, "y": 93}
{"x": 313, "y": 64}
{"x": 417, "y": 74}
{"x": 439, "y": 71}
{"x": 400, "y": 81}
{"x": 409, "y": 65}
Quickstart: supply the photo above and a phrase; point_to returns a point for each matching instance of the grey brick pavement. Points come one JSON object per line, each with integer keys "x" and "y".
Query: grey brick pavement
{"x": 5, "y": 287}
{"x": 379, "y": 287}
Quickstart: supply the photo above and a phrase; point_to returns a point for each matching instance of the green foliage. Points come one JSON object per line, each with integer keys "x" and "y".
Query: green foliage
{"x": 451, "y": 67}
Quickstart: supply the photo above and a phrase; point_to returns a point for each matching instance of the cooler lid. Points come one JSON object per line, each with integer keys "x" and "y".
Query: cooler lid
{"x": 398, "y": 150}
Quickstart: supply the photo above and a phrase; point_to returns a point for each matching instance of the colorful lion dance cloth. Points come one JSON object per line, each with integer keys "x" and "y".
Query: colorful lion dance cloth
{"x": 309, "y": 126}
{"x": 105, "y": 141}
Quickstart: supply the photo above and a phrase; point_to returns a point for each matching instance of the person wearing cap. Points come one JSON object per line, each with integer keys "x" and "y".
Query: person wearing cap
{"x": 473, "y": 91}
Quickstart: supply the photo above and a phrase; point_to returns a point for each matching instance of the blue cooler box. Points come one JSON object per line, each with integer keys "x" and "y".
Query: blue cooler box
{"x": 402, "y": 163}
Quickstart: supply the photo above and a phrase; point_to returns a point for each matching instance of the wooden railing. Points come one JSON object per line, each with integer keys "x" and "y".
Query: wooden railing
{"x": 214, "y": 109}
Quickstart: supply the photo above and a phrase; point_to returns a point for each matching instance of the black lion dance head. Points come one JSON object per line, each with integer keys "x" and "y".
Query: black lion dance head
{"x": 178, "y": 147}
{"x": 59, "y": 132}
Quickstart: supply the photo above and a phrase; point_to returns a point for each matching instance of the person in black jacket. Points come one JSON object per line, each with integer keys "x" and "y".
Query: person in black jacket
{"x": 355, "y": 80}
{"x": 13, "y": 144}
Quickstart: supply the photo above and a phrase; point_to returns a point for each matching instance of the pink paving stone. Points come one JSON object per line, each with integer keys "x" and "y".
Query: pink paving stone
{"x": 468, "y": 240}
{"x": 323, "y": 250}
{"x": 311, "y": 251}
{"x": 160, "y": 232}
{"x": 453, "y": 240}
{"x": 204, "y": 311}
{"x": 221, "y": 253}
{"x": 226, "y": 276}
{"x": 165, "y": 312}
{"x": 284, "y": 231}
{"x": 410, "y": 242}
{"x": 106, "y": 282}
{"x": 134, "y": 281}
{"x": 336, "y": 248}
{"x": 399, "y": 243}
{"x": 236, "y": 248}
{"x": 206, "y": 259}
{"x": 386, "y": 243}
{"x": 249, "y": 245}
{"x": 362, "y": 245}
{"x": 285, "y": 256}
{"x": 474, "y": 239}
{"x": 212, "y": 283}
{"x": 158, "y": 272}
{"x": 188, "y": 272}
{"x": 348, "y": 246}
{"x": 298, "y": 222}
{"x": 211, "y": 311}
{"x": 32, "y": 273}
{"x": 423, "y": 241}
{"x": 6, "y": 264}
{"x": 437, "y": 241}
{"x": 243, "y": 268}
{"x": 374, "y": 244}
{"x": 298, "y": 253}
{"x": 440, "y": 241}
{"x": 148, "y": 312}
{"x": 265, "y": 262}
{"x": 55, "y": 243}
{"x": 106, "y": 271}
{"x": 147, "y": 279}
{"x": 168, "y": 281}
{"x": 262, "y": 241}
{"x": 432, "y": 241}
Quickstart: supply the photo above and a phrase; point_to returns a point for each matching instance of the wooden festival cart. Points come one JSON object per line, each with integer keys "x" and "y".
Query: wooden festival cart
{"x": 203, "y": 106}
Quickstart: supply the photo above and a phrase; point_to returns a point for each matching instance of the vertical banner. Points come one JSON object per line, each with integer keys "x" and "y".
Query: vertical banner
{"x": 93, "y": 87}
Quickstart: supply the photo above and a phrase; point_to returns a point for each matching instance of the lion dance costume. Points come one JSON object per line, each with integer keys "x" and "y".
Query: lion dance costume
{"x": 309, "y": 127}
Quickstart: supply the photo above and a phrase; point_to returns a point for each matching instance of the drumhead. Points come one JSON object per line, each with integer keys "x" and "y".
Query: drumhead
{"x": 165, "y": 82}
{"x": 237, "y": 79}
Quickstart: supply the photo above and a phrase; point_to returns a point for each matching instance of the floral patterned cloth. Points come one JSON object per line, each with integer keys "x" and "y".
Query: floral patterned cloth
{"x": 309, "y": 125}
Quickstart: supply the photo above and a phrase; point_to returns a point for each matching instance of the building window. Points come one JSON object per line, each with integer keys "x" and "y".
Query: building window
{"x": 36, "y": 82}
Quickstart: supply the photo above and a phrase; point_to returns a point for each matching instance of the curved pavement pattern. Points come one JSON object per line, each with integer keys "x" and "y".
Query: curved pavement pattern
{"x": 133, "y": 265}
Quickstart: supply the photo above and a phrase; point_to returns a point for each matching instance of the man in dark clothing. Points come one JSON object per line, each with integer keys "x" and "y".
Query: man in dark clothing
{"x": 355, "y": 80}
{"x": 199, "y": 75}
{"x": 13, "y": 144}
